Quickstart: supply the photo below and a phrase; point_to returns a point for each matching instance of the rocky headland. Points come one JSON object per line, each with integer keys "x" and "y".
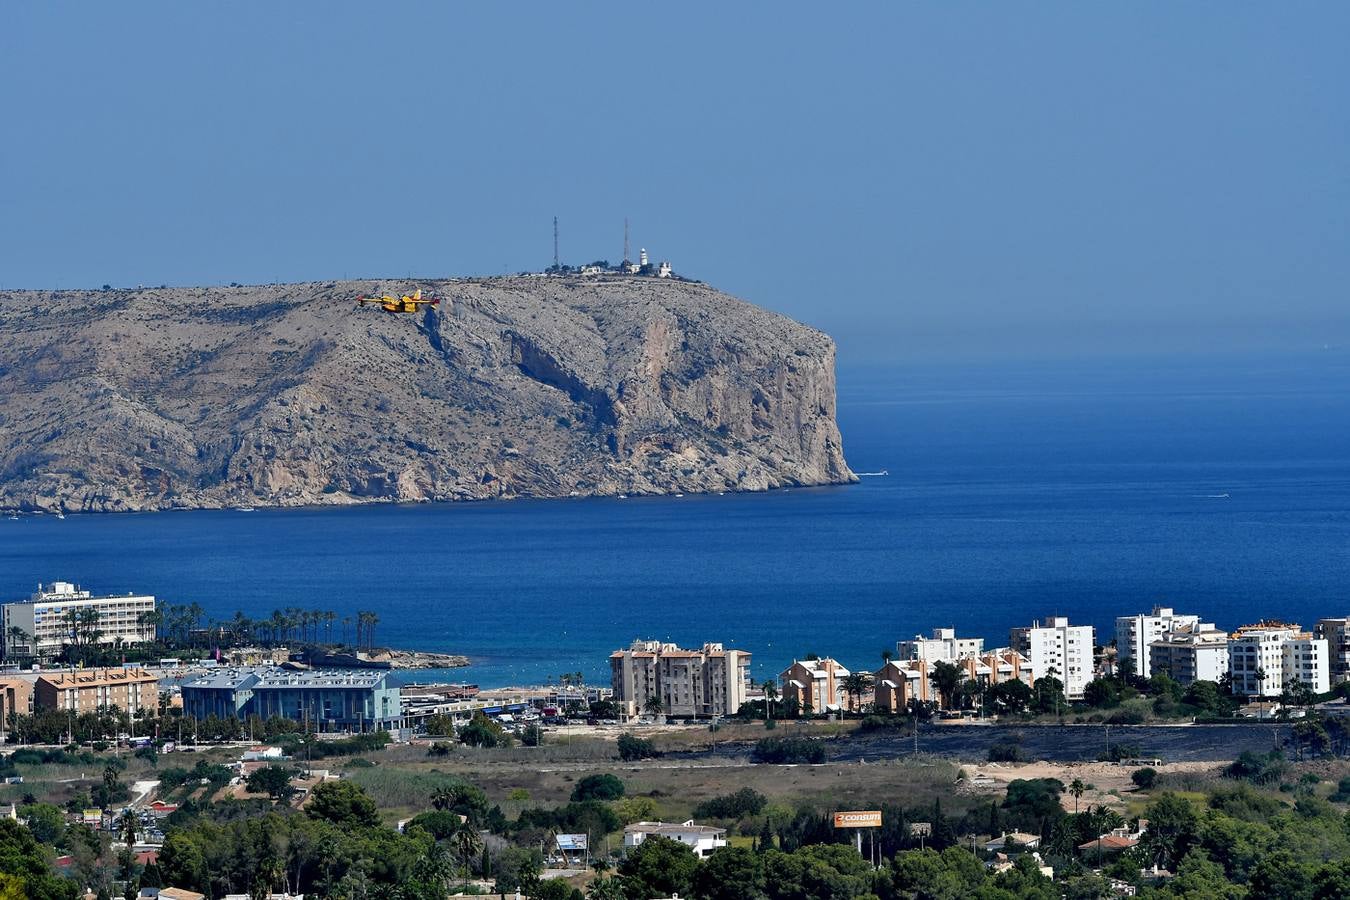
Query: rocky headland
{"x": 289, "y": 395}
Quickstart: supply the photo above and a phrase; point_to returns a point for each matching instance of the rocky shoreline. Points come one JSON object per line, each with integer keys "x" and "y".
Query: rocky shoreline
{"x": 420, "y": 659}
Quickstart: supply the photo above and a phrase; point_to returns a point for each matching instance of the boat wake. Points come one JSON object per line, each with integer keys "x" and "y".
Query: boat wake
{"x": 872, "y": 474}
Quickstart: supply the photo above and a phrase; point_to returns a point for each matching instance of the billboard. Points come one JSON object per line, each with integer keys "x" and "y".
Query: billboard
{"x": 858, "y": 819}
{"x": 570, "y": 842}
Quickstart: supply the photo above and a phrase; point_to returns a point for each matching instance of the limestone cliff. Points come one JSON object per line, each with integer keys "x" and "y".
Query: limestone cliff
{"x": 290, "y": 395}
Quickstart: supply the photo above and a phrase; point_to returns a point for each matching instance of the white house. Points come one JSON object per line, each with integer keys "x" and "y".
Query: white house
{"x": 702, "y": 838}
{"x": 1136, "y": 634}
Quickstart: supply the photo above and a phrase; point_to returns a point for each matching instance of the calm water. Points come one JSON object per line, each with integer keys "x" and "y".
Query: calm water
{"x": 1222, "y": 488}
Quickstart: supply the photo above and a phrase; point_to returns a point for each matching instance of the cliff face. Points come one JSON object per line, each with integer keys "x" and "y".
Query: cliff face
{"x": 290, "y": 395}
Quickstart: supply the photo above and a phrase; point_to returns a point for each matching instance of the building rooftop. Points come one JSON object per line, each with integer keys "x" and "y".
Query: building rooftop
{"x": 262, "y": 678}
{"x": 672, "y": 828}
{"x": 97, "y": 677}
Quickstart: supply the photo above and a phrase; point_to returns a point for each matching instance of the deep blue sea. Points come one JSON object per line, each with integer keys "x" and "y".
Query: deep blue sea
{"x": 1218, "y": 486}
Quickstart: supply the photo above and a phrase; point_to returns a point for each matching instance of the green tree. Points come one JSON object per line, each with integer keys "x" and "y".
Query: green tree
{"x": 483, "y": 732}
{"x": 1172, "y": 829}
{"x": 606, "y": 889}
{"x": 658, "y": 867}
{"x": 468, "y": 844}
{"x": 947, "y": 678}
{"x": 634, "y": 748}
{"x": 730, "y": 873}
{"x": 182, "y": 863}
{"x": 272, "y": 780}
{"x": 597, "y": 787}
{"x": 343, "y": 803}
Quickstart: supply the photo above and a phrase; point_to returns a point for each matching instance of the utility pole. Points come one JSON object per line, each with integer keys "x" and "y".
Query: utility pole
{"x": 555, "y": 244}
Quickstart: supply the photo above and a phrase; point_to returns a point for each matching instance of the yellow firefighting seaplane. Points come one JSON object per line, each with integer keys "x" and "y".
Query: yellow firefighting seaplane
{"x": 408, "y": 303}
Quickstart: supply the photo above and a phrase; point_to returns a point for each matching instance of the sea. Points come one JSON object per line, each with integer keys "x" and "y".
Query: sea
{"x": 990, "y": 495}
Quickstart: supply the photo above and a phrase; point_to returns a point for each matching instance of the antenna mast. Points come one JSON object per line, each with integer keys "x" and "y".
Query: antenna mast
{"x": 555, "y": 243}
{"x": 625, "y": 239}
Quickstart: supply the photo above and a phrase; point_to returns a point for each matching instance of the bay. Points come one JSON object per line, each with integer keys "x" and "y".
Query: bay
{"x": 1219, "y": 486}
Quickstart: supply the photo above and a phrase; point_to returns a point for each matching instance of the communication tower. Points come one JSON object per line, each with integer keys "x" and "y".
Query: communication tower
{"x": 625, "y": 239}
{"x": 555, "y": 243}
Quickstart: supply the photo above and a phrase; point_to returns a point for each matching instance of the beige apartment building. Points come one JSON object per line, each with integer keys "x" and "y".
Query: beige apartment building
{"x": 40, "y": 626}
{"x": 816, "y": 685}
{"x": 703, "y": 683}
{"x": 85, "y": 690}
{"x": 898, "y": 682}
{"x": 16, "y": 696}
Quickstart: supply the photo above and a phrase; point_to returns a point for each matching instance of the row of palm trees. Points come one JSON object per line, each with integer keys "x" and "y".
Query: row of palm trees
{"x": 182, "y": 625}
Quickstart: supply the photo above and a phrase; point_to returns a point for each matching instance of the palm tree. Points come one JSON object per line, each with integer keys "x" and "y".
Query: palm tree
{"x": 468, "y": 844}
{"x": 1077, "y": 789}
{"x": 442, "y": 798}
{"x": 17, "y": 637}
{"x": 370, "y": 630}
{"x": 654, "y": 706}
{"x": 606, "y": 889}
{"x": 887, "y": 655}
{"x": 855, "y": 684}
{"x": 128, "y": 825}
{"x": 770, "y": 695}
{"x": 346, "y": 623}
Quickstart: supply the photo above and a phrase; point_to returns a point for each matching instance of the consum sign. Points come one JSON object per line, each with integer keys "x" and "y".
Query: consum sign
{"x": 858, "y": 819}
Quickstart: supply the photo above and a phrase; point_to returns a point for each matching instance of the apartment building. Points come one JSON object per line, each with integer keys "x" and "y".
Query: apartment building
{"x": 898, "y": 682}
{"x": 329, "y": 699}
{"x": 16, "y": 697}
{"x": 85, "y": 690}
{"x": 1265, "y": 658}
{"x": 1190, "y": 653}
{"x": 45, "y": 619}
{"x": 816, "y": 684}
{"x": 1336, "y": 632}
{"x": 942, "y": 645}
{"x": 1054, "y": 647}
{"x": 1135, "y": 636}
{"x": 710, "y": 681}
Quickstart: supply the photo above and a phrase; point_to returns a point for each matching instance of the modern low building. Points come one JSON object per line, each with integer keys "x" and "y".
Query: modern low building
{"x": 942, "y": 645}
{"x": 816, "y": 684}
{"x": 1336, "y": 632}
{"x": 85, "y": 690}
{"x": 703, "y": 839}
{"x": 710, "y": 681}
{"x": 333, "y": 700}
{"x": 42, "y": 625}
{"x": 1265, "y": 658}
{"x": 1056, "y": 648}
{"x": 1190, "y": 653}
{"x": 1135, "y": 636}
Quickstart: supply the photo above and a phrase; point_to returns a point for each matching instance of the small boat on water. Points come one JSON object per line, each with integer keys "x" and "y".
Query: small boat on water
{"x": 245, "y": 509}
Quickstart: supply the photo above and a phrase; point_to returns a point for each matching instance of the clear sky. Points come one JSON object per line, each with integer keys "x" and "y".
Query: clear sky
{"x": 921, "y": 180}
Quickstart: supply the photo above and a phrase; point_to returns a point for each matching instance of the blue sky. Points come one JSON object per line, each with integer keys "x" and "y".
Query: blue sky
{"x": 949, "y": 181}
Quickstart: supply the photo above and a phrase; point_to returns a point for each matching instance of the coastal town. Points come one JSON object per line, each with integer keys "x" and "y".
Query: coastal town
{"x": 265, "y": 725}
{"x": 1266, "y": 667}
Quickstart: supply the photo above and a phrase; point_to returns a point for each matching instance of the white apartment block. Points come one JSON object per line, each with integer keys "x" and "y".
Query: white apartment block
{"x": 1267, "y": 657}
{"x": 1054, "y": 644}
{"x": 1136, "y": 634}
{"x": 1190, "y": 653}
{"x": 710, "y": 681}
{"x": 1336, "y": 632}
{"x": 45, "y": 619}
{"x": 944, "y": 645}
